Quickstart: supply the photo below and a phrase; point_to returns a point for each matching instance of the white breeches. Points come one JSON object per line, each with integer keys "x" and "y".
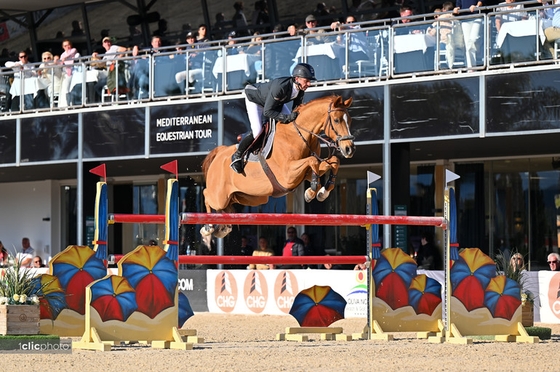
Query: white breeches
{"x": 255, "y": 113}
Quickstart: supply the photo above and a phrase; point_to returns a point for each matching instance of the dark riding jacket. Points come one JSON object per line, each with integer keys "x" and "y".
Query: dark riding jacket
{"x": 273, "y": 95}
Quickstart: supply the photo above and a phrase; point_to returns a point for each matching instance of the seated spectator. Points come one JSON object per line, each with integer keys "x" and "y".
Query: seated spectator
{"x": 23, "y": 70}
{"x": 53, "y": 74}
{"x": 112, "y": 53}
{"x": 362, "y": 266}
{"x": 310, "y": 30}
{"x": 25, "y": 257}
{"x": 428, "y": 255}
{"x": 262, "y": 251}
{"x": 202, "y": 36}
{"x": 406, "y": 12}
{"x": 195, "y": 63}
{"x": 510, "y": 16}
{"x": 552, "y": 33}
{"x": 139, "y": 80}
{"x": 517, "y": 262}
{"x": 450, "y": 34}
{"x": 553, "y": 261}
{"x": 357, "y": 45}
{"x": 38, "y": 262}
{"x": 256, "y": 45}
{"x": 232, "y": 41}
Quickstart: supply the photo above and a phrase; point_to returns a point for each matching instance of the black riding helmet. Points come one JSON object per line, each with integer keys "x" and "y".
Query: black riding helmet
{"x": 305, "y": 71}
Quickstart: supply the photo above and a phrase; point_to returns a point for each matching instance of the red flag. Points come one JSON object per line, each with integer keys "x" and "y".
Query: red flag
{"x": 100, "y": 171}
{"x": 171, "y": 167}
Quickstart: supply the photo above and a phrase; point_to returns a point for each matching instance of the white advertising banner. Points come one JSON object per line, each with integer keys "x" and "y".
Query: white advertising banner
{"x": 272, "y": 292}
{"x": 548, "y": 296}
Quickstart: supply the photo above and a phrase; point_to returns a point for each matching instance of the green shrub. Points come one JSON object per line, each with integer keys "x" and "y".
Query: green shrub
{"x": 542, "y": 333}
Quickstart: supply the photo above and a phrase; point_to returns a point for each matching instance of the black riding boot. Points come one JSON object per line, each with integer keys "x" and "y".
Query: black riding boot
{"x": 237, "y": 162}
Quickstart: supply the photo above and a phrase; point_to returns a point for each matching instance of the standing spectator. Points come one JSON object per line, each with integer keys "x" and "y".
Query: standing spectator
{"x": 552, "y": 33}
{"x": 66, "y": 58}
{"x": 25, "y": 257}
{"x": 553, "y": 261}
{"x": 77, "y": 29}
{"x": 265, "y": 251}
{"x": 23, "y": 70}
{"x": 220, "y": 27}
{"x": 293, "y": 247}
{"x": 239, "y": 21}
{"x": 260, "y": 19}
{"x": 202, "y": 36}
{"x": 357, "y": 44}
{"x": 471, "y": 29}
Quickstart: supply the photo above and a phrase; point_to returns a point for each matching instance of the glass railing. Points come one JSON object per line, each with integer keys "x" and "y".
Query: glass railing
{"x": 429, "y": 45}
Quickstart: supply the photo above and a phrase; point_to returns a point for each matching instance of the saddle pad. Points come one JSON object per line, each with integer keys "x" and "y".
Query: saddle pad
{"x": 267, "y": 148}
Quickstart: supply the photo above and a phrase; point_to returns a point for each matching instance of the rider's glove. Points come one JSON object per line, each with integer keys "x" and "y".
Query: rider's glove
{"x": 291, "y": 117}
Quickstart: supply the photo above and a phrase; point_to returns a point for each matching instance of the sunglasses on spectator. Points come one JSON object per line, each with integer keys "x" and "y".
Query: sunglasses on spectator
{"x": 47, "y": 59}
{"x": 552, "y": 262}
{"x": 23, "y": 56}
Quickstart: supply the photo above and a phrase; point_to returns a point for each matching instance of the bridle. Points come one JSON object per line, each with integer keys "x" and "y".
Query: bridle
{"x": 332, "y": 145}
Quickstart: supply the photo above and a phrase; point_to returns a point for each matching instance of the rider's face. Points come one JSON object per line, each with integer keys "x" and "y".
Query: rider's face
{"x": 303, "y": 83}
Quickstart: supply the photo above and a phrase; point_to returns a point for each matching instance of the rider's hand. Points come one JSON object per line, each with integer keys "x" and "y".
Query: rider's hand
{"x": 291, "y": 117}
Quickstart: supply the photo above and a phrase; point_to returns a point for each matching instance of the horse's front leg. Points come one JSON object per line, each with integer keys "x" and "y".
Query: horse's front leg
{"x": 325, "y": 191}
{"x": 311, "y": 191}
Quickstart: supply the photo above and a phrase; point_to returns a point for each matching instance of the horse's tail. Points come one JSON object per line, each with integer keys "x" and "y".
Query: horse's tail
{"x": 209, "y": 158}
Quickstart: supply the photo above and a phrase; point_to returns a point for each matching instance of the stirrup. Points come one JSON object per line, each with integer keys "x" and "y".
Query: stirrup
{"x": 237, "y": 165}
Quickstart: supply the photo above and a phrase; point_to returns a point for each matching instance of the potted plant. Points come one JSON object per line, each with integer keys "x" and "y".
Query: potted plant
{"x": 20, "y": 294}
{"x": 513, "y": 267}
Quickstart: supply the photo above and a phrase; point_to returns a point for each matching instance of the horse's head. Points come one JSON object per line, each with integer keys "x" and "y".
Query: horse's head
{"x": 337, "y": 127}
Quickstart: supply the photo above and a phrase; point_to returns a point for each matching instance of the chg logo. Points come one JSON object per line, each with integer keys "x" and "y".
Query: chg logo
{"x": 285, "y": 290}
{"x": 225, "y": 291}
{"x": 255, "y": 291}
{"x": 554, "y": 295}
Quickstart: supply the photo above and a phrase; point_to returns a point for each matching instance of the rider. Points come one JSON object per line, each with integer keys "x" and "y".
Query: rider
{"x": 270, "y": 99}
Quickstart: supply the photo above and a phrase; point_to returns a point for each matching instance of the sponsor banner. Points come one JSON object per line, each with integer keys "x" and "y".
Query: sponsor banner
{"x": 193, "y": 284}
{"x": 549, "y": 297}
{"x": 272, "y": 292}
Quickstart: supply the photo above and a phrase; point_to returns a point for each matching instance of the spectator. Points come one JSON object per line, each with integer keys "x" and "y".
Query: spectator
{"x": 232, "y": 41}
{"x": 4, "y": 256}
{"x": 220, "y": 27}
{"x": 245, "y": 249}
{"x": 202, "y": 36}
{"x": 239, "y": 21}
{"x": 450, "y": 36}
{"x": 427, "y": 257}
{"x": 509, "y": 16}
{"x": 77, "y": 29}
{"x": 195, "y": 61}
{"x": 112, "y": 53}
{"x": 310, "y": 29}
{"x": 293, "y": 247}
{"x": 263, "y": 251}
{"x": 362, "y": 266}
{"x": 162, "y": 28}
{"x": 25, "y": 257}
{"x": 292, "y": 30}
{"x": 517, "y": 262}
{"x": 23, "y": 70}
{"x": 67, "y": 58}
{"x": 38, "y": 262}
{"x": 322, "y": 13}
{"x": 553, "y": 261}
{"x": 256, "y": 45}
{"x": 330, "y": 266}
{"x": 552, "y": 33}
{"x": 405, "y": 13}
{"x": 139, "y": 80}
{"x": 52, "y": 74}
{"x": 471, "y": 29}
{"x": 260, "y": 19}
{"x": 357, "y": 45}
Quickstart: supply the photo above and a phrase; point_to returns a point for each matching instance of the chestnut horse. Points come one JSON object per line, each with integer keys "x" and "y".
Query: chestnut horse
{"x": 295, "y": 158}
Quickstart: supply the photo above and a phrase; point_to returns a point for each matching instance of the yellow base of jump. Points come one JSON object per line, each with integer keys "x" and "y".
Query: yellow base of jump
{"x": 190, "y": 336}
{"x": 299, "y": 334}
{"x": 454, "y": 336}
{"x": 96, "y": 343}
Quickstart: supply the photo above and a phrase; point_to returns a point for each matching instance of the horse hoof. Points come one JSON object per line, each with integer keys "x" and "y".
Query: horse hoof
{"x": 206, "y": 230}
{"x": 323, "y": 194}
{"x": 222, "y": 231}
{"x": 309, "y": 195}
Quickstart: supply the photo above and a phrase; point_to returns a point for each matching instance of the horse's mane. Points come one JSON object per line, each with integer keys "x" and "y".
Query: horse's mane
{"x": 315, "y": 101}
{"x": 208, "y": 160}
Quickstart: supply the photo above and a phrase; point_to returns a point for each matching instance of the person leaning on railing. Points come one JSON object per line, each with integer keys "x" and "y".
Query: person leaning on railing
{"x": 471, "y": 29}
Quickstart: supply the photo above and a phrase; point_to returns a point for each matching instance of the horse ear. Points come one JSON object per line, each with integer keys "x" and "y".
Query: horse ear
{"x": 338, "y": 101}
{"x": 348, "y": 102}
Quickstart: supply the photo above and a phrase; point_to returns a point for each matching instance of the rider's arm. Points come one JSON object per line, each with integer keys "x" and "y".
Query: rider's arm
{"x": 275, "y": 101}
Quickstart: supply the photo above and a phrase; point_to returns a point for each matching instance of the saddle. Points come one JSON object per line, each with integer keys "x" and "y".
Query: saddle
{"x": 262, "y": 144}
